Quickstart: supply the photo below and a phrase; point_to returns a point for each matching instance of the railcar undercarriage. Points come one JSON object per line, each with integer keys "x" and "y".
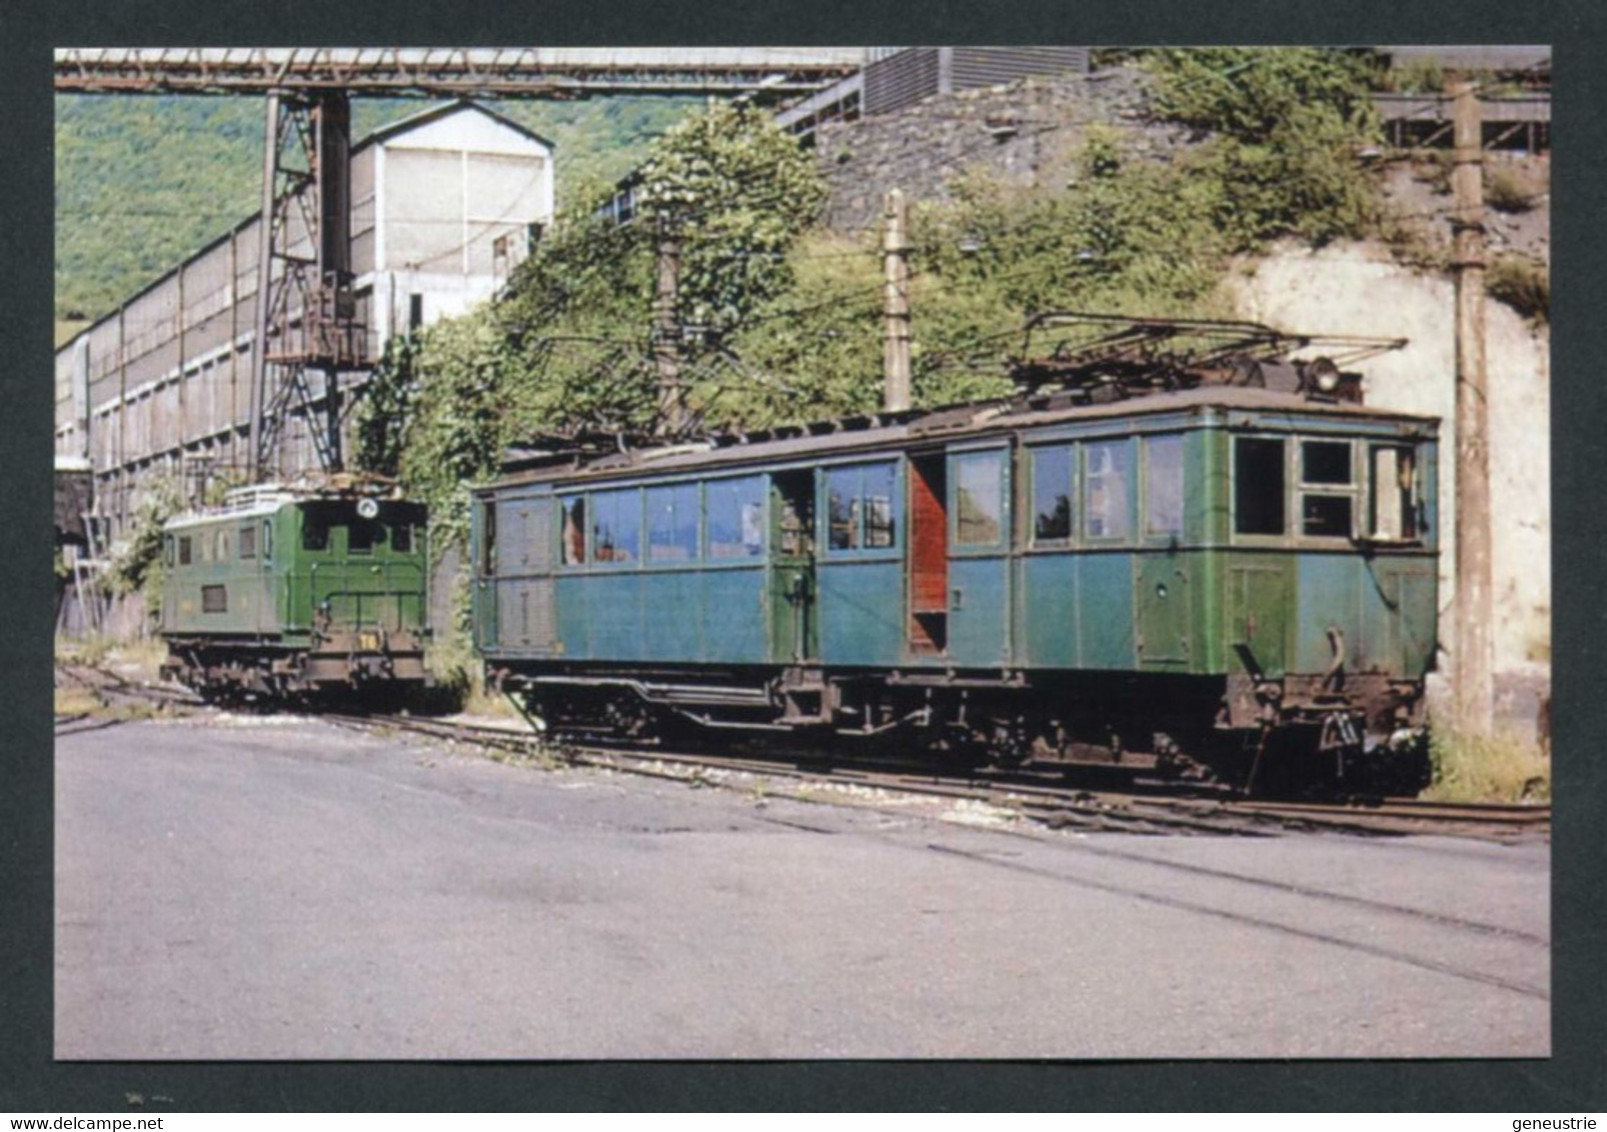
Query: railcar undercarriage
{"x": 338, "y": 665}
{"x": 1290, "y": 735}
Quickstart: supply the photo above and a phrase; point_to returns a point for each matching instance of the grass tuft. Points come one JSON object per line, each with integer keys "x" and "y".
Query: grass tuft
{"x": 1495, "y": 769}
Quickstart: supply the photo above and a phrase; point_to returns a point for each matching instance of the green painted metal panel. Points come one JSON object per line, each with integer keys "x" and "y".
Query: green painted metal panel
{"x": 1104, "y": 603}
{"x": 1258, "y": 606}
{"x": 1164, "y": 598}
{"x": 1048, "y": 611}
{"x": 1329, "y": 593}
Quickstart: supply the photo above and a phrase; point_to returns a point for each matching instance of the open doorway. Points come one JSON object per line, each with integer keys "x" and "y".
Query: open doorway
{"x": 928, "y": 555}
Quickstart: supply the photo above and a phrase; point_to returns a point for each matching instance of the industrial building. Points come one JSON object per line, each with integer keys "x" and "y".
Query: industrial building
{"x": 444, "y": 205}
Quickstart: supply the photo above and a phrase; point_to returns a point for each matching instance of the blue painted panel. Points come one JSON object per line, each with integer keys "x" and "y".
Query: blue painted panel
{"x": 672, "y": 620}
{"x": 574, "y": 616}
{"x": 978, "y": 607}
{"x": 616, "y": 615}
{"x": 861, "y": 612}
{"x": 733, "y": 616}
{"x": 1048, "y": 617}
{"x": 1105, "y": 611}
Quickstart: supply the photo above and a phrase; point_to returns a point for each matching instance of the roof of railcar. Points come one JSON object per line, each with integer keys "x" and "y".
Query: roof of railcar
{"x": 916, "y": 428}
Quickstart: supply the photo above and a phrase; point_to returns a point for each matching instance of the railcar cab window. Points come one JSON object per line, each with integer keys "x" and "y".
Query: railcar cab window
{"x": 672, "y": 523}
{"x": 735, "y": 511}
{"x": 978, "y": 498}
{"x": 1258, "y": 485}
{"x": 185, "y": 550}
{"x": 1327, "y": 498}
{"x": 1163, "y": 485}
{"x": 267, "y": 540}
{"x": 1396, "y": 513}
{"x": 616, "y": 527}
{"x": 248, "y": 542}
{"x": 1105, "y": 507}
{"x": 572, "y": 540}
{"x": 1052, "y": 493}
{"x": 861, "y": 512}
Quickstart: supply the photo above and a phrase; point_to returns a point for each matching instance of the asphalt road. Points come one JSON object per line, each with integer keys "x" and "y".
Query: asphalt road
{"x": 276, "y": 888}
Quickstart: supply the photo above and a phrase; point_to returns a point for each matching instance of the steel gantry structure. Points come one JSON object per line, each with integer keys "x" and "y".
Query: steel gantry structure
{"x": 305, "y": 325}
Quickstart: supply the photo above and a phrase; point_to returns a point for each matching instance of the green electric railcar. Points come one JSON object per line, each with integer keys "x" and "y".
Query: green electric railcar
{"x": 293, "y": 591}
{"x": 1234, "y": 578}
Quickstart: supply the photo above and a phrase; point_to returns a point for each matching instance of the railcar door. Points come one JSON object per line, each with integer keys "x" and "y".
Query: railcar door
{"x": 521, "y": 546}
{"x": 979, "y": 557}
{"x": 790, "y": 589}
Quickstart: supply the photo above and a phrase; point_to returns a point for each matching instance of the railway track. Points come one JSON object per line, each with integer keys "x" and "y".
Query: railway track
{"x": 1139, "y": 809}
{"x": 119, "y": 700}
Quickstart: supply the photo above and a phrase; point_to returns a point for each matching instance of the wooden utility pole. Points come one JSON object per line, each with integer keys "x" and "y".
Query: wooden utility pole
{"x": 1474, "y": 604}
{"x": 667, "y": 332}
{"x": 896, "y": 304}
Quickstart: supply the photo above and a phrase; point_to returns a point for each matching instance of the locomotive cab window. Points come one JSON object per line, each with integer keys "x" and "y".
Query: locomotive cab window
{"x": 267, "y": 540}
{"x": 248, "y": 542}
{"x": 364, "y": 535}
{"x": 168, "y": 551}
{"x": 402, "y": 537}
{"x": 488, "y": 539}
{"x": 1327, "y": 499}
{"x": 1258, "y": 485}
{"x": 314, "y": 530}
{"x": 186, "y": 551}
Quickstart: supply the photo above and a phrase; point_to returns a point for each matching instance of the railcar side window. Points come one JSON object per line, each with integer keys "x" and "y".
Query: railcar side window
{"x": 978, "y": 498}
{"x": 1052, "y": 491}
{"x": 573, "y": 539}
{"x": 672, "y": 523}
{"x": 617, "y": 526}
{"x": 861, "y": 512}
{"x": 1395, "y": 496}
{"x": 1163, "y": 485}
{"x": 1258, "y": 485}
{"x": 735, "y": 510}
{"x": 1105, "y": 489}
{"x": 248, "y": 542}
{"x": 1326, "y": 464}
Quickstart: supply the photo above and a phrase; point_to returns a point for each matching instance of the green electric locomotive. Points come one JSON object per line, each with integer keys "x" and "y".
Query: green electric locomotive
{"x": 297, "y": 591}
{"x": 1235, "y": 577}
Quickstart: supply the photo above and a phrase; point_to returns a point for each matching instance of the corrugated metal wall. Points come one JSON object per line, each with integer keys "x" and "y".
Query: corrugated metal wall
{"x": 905, "y": 78}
